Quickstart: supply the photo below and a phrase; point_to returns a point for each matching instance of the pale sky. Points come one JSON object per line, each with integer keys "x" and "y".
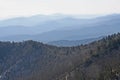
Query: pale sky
{"x": 14, "y": 8}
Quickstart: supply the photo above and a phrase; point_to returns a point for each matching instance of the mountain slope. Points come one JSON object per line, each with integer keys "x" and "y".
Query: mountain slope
{"x": 32, "y": 60}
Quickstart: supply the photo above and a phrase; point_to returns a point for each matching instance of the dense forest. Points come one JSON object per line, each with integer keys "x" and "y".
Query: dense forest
{"x": 31, "y": 60}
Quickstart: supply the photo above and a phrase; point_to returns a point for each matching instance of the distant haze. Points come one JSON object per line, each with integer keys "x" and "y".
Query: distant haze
{"x": 15, "y": 8}
{"x": 58, "y": 27}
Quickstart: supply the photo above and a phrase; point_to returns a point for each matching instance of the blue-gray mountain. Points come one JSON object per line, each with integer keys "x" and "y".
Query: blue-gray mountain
{"x": 63, "y": 28}
{"x": 70, "y": 43}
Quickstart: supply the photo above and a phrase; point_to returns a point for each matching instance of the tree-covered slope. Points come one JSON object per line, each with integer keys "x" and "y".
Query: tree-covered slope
{"x": 30, "y": 60}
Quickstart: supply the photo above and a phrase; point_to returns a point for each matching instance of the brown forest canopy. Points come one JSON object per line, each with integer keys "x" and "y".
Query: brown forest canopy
{"x": 31, "y": 60}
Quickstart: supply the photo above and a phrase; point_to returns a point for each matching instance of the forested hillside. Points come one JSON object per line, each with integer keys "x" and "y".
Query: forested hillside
{"x": 31, "y": 60}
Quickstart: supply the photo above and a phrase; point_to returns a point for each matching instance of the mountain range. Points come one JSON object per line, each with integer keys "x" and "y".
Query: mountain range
{"x": 52, "y": 28}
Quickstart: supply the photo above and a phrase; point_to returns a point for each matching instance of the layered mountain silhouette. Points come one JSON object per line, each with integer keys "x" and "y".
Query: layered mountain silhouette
{"x": 55, "y": 28}
{"x": 70, "y": 43}
{"x": 31, "y": 60}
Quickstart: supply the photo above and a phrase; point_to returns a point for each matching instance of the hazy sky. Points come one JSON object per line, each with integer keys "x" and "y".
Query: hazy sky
{"x": 12, "y": 8}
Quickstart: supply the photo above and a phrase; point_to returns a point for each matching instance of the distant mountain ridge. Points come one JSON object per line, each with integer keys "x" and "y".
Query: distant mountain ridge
{"x": 35, "y": 24}
{"x": 31, "y": 20}
{"x": 66, "y": 27}
{"x": 70, "y": 43}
